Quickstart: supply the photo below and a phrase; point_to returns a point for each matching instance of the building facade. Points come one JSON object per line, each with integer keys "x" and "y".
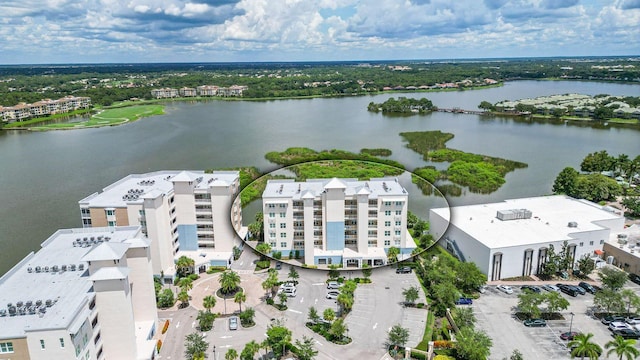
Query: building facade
{"x": 193, "y": 212}
{"x": 337, "y": 221}
{"x": 513, "y": 238}
{"x": 86, "y": 294}
{"x": 623, "y": 249}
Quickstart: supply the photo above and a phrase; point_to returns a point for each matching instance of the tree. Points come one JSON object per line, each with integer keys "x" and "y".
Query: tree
{"x": 328, "y": 314}
{"x": 529, "y": 302}
{"x": 392, "y": 254}
{"x": 366, "y": 271}
{"x": 597, "y": 187}
{"x": 270, "y": 283}
{"x": 231, "y": 354}
{"x": 166, "y": 299}
{"x": 239, "y": 298}
{"x": 444, "y": 296}
{"x": 603, "y": 113}
{"x": 555, "y": 302}
{"x": 205, "y": 320}
{"x": 410, "y": 295}
{"x": 338, "y": 329}
{"x": 586, "y": 265}
{"x": 565, "y": 259}
{"x": 209, "y": 302}
{"x": 333, "y": 272}
{"x": 565, "y": 182}
{"x": 464, "y": 317}
{"x": 472, "y": 344}
{"x": 184, "y": 266}
{"x": 306, "y": 348}
{"x": 469, "y": 277}
{"x": 622, "y": 348}
{"x": 246, "y": 317}
{"x": 229, "y": 281}
{"x": 516, "y": 355}
{"x": 398, "y": 336}
{"x": 185, "y": 284}
{"x": 612, "y": 278}
{"x": 278, "y": 337}
{"x": 487, "y": 106}
{"x": 631, "y": 298}
{"x": 293, "y": 274}
{"x": 183, "y": 297}
{"x": 597, "y": 162}
{"x": 632, "y": 204}
{"x": 283, "y": 300}
{"x": 345, "y": 301}
{"x": 195, "y": 346}
{"x": 550, "y": 267}
{"x": 313, "y": 315}
{"x": 250, "y": 350}
{"x": 583, "y": 347}
{"x": 610, "y": 300}
{"x": 264, "y": 249}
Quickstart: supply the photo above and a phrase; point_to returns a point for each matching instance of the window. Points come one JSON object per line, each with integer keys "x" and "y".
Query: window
{"x": 271, "y": 206}
{"x": 396, "y": 242}
{"x": 272, "y": 226}
{"x": 387, "y": 212}
{"x": 283, "y": 225}
{"x": 86, "y": 222}
{"x": 283, "y": 205}
{"x": 272, "y": 214}
{"x": 141, "y": 212}
{"x": 42, "y": 344}
{"x": 62, "y": 343}
{"x": 387, "y": 223}
{"x": 398, "y": 203}
{"x": 6, "y": 347}
{"x": 601, "y": 242}
{"x": 111, "y": 212}
{"x": 283, "y": 214}
{"x": 387, "y": 233}
{"x": 387, "y": 242}
{"x": 283, "y": 244}
{"x": 581, "y": 244}
{"x": 397, "y": 232}
{"x": 111, "y": 223}
{"x": 272, "y": 235}
{"x": 272, "y": 244}
{"x": 77, "y": 350}
{"x": 591, "y": 242}
{"x": 398, "y": 212}
{"x": 283, "y": 235}
{"x": 398, "y": 223}
{"x": 387, "y": 203}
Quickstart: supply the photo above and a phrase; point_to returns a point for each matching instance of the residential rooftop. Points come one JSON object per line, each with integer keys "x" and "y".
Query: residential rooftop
{"x": 374, "y": 188}
{"x": 550, "y": 219}
{"x": 49, "y": 288}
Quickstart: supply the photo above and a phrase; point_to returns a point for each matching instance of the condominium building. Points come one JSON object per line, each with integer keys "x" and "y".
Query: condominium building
{"x": 194, "y": 212}
{"x": 86, "y": 294}
{"x": 513, "y": 238}
{"x": 337, "y": 221}
{"x": 23, "y": 111}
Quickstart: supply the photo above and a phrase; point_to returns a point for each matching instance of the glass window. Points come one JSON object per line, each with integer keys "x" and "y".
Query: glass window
{"x": 61, "y": 342}
{"x": 397, "y": 232}
{"x": 272, "y": 235}
{"x": 42, "y": 344}
{"x": 581, "y": 244}
{"x": 387, "y": 203}
{"x": 271, "y": 206}
{"x": 591, "y": 242}
{"x": 283, "y": 214}
{"x": 283, "y": 235}
{"x": 273, "y": 244}
{"x": 110, "y": 212}
{"x": 283, "y": 225}
{"x": 387, "y": 242}
{"x": 387, "y": 233}
{"x": 272, "y": 226}
{"x": 387, "y": 223}
{"x": 398, "y": 223}
{"x": 399, "y": 203}
{"x": 387, "y": 212}
{"x": 601, "y": 242}
{"x": 6, "y": 347}
{"x": 272, "y": 214}
{"x": 283, "y": 205}
{"x": 398, "y": 212}
{"x": 111, "y": 223}
{"x": 283, "y": 244}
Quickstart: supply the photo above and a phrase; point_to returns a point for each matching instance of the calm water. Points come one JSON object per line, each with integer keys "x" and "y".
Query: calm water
{"x": 43, "y": 175}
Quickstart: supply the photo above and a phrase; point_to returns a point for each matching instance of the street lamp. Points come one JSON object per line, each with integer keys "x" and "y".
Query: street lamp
{"x": 571, "y": 324}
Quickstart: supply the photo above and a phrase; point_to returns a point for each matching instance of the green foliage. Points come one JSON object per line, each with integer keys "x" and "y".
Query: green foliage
{"x": 479, "y": 177}
{"x": 362, "y": 170}
{"x": 610, "y": 300}
{"x": 402, "y": 106}
{"x": 423, "y": 142}
{"x": 622, "y": 348}
{"x": 166, "y": 299}
{"x": 184, "y": 266}
{"x": 250, "y": 350}
{"x": 246, "y": 317}
{"x": 209, "y": 302}
{"x": 565, "y": 182}
{"x": 338, "y": 329}
{"x": 555, "y": 302}
{"x": 195, "y": 346}
{"x": 239, "y": 298}
{"x": 428, "y": 173}
{"x": 612, "y": 279}
{"x": 596, "y": 187}
{"x": 376, "y": 152}
{"x": 313, "y": 315}
{"x": 296, "y": 155}
{"x": 586, "y": 265}
{"x": 392, "y": 254}
{"x": 469, "y": 277}
{"x": 305, "y": 349}
{"x": 410, "y": 294}
{"x": 485, "y": 105}
{"x": 583, "y": 347}
{"x": 632, "y": 205}
{"x": 278, "y": 336}
{"x": 328, "y": 314}
{"x": 529, "y": 302}
{"x": 229, "y": 281}
{"x": 597, "y": 162}
{"x": 264, "y": 249}
{"x": 231, "y": 354}
{"x": 398, "y": 336}
{"x": 464, "y": 317}
{"x": 472, "y": 344}
{"x": 205, "y": 320}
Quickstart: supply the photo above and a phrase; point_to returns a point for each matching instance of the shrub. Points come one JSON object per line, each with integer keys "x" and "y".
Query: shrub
{"x": 262, "y": 264}
{"x": 194, "y": 277}
{"x": 270, "y": 301}
{"x": 158, "y": 345}
{"x": 420, "y": 305}
{"x": 443, "y": 344}
{"x": 215, "y": 269}
{"x": 165, "y": 327}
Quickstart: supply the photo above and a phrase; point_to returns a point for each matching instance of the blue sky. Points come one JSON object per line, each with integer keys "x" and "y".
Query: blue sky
{"x": 99, "y": 31}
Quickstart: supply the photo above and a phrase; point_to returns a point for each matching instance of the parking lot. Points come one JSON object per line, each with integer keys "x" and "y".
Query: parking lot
{"x": 495, "y": 313}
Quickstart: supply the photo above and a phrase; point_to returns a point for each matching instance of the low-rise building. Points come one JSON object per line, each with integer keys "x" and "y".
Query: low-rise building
{"x": 86, "y": 294}
{"x": 622, "y": 249}
{"x": 512, "y": 238}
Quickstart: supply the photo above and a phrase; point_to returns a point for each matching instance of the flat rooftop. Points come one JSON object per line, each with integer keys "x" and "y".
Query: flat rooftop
{"x": 374, "y": 188}
{"x": 52, "y": 285}
{"x": 550, "y": 216}
{"x": 134, "y": 187}
{"x": 627, "y": 240}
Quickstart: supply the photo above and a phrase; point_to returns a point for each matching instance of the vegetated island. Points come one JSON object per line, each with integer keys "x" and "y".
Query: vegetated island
{"x": 601, "y": 108}
{"x": 403, "y": 105}
{"x": 479, "y": 173}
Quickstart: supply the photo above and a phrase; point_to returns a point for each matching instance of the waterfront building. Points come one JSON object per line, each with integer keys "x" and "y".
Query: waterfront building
{"x": 193, "y": 212}
{"x": 86, "y": 294}
{"x": 512, "y": 238}
{"x": 337, "y": 221}
{"x": 45, "y": 107}
{"x": 622, "y": 249}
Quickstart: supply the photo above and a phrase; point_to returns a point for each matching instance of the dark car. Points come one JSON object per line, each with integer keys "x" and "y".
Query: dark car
{"x": 580, "y": 290}
{"x": 464, "y": 301}
{"x": 403, "y": 270}
{"x": 569, "y": 290}
{"x": 634, "y": 278}
{"x": 278, "y": 265}
{"x": 569, "y": 335}
{"x": 587, "y": 287}
{"x": 535, "y": 322}
{"x": 627, "y": 333}
{"x": 531, "y": 288}
{"x": 611, "y": 318}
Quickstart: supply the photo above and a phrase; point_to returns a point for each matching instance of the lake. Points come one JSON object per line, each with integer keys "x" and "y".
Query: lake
{"x": 44, "y": 174}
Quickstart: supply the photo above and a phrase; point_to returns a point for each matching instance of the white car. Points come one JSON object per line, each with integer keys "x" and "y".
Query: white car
{"x": 287, "y": 286}
{"x": 332, "y": 285}
{"x": 505, "y": 289}
{"x": 333, "y": 294}
{"x": 619, "y": 325}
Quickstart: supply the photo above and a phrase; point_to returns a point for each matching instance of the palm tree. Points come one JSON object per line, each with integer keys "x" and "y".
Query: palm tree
{"x": 208, "y": 302}
{"x": 293, "y": 274}
{"x": 184, "y": 265}
{"x": 195, "y": 346}
{"x": 264, "y": 249}
{"x": 392, "y": 254}
{"x": 251, "y": 348}
{"x": 185, "y": 284}
{"x": 582, "y": 346}
{"x": 183, "y": 297}
{"x": 231, "y": 354}
{"x": 240, "y": 298}
{"x": 229, "y": 281}
{"x": 623, "y": 348}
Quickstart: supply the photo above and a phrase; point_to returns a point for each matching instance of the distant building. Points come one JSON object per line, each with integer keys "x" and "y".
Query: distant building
{"x": 622, "y": 249}
{"x": 86, "y": 294}
{"x": 44, "y": 107}
{"x": 512, "y": 238}
{"x": 196, "y": 213}
{"x": 203, "y": 90}
{"x": 337, "y": 221}
{"x": 188, "y": 92}
{"x": 164, "y": 93}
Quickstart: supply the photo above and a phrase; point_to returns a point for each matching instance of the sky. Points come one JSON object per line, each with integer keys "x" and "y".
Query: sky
{"x": 134, "y": 31}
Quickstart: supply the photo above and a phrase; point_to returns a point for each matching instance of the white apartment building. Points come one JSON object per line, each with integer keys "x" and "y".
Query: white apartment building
{"x": 337, "y": 221}
{"x": 196, "y": 213}
{"x": 512, "y": 238}
{"x": 86, "y": 294}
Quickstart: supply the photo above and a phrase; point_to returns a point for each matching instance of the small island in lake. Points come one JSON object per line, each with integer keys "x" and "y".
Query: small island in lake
{"x": 403, "y": 106}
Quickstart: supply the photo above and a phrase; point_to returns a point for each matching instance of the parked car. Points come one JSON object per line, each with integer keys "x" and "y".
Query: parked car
{"x": 580, "y": 290}
{"x": 333, "y": 294}
{"x": 233, "y": 323}
{"x": 287, "y": 286}
{"x": 278, "y": 265}
{"x": 482, "y": 289}
{"x": 619, "y": 325}
{"x": 612, "y": 318}
{"x": 505, "y": 289}
{"x": 627, "y": 333}
{"x": 634, "y": 278}
{"x": 569, "y": 290}
{"x": 632, "y": 320}
{"x": 291, "y": 292}
{"x": 531, "y": 288}
{"x": 550, "y": 287}
{"x": 569, "y": 335}
{"x": 464, "y": 301}
{"x": 587, "y": 287}
{"x": 535, "y": 322}
{"x": 403, "y": 270}
{"x": 333, "y": 285}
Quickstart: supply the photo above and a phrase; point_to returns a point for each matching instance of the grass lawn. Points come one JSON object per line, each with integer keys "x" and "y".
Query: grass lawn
{"x": 108, "y": 117}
